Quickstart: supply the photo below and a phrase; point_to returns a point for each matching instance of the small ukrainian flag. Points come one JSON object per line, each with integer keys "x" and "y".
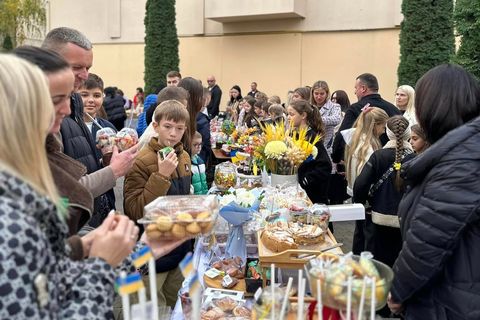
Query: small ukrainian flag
{"x": 130, "y": 284}
{"x": 195, "y": 285}
{"x": 186, "y": 265}
{"x": 141, "y": 257}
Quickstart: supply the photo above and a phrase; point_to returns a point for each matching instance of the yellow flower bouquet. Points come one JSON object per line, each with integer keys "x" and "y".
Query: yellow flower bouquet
{"x": 285, "y": 149}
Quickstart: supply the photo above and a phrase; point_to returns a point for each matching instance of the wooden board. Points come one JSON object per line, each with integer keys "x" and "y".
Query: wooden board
{"x": 217, "y": 283}
{"x": 290, "y": 258}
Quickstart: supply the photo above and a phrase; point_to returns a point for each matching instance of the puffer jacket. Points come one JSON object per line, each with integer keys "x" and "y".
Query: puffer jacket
{"x": 76, "y": 138}
{"x": 143, "y": 184}
{"x": 145, "y": 117}
{"x": 34, "y": 260}
{"x": 437, "y": 274}
{"x": 114, "y": 107}
{"x": 199, "y": 178}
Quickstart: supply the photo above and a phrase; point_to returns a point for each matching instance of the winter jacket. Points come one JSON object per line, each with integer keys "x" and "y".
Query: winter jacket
{"x": 314, "y": 175}
{"x": 351, "y": 115}
{"x": 331, "y": 116}
{"x": 384, "y": 201}
{"x": 199, "y": 178}
{"x": 79, "y": 144}
{"x": 203, "y": 127}
{"x": 381, "y": 227}
{"x": 34, "y": 260}
{"x": 76, "y": 138}
{"x": 114, "y": 107}
{"x": 145, "y": 117}
{"x": 143, "y": 184}
{"x": 437, "y": 274}
{"x": 66, "y": 173}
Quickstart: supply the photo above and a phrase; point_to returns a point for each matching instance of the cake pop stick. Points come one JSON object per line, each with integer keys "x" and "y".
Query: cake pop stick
{"x": 301, "y": 298}
{"x": 125, "y": 300}
{"x": 152, "y": 277}
{"x": 272, "y": 286}
{"x": 319, "y": 300}
{"x": 142, "y": 298}
{"x": 285, "y": 299}
{"x": 362, "y": 298}
{"x": 349, "y": 298}
{"x": 372, "y": 306}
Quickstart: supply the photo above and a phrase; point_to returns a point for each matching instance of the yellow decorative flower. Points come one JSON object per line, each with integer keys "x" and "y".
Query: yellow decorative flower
{"x": 397, "y": 166}
{"x": 275, "y": 149}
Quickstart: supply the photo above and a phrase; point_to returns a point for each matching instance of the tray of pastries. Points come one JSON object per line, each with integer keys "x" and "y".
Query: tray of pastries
{"x": 292, "y": 242}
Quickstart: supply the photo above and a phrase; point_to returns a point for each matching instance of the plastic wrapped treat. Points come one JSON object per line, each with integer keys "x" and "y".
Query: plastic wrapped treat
{"x": 105, "y": 139}
{"x": 126, "y": 138}
{"x": 319, "y": 215}
{"x": 178, "y": 217}
{"x": 334, "y": 271}
{"x": 225, "y": 176}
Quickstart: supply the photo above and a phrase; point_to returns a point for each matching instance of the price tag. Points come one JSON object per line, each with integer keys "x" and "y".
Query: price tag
{"x": 227, "y": 280}
{"x": 212, "y": 273}
{"x": 257, "y": 294}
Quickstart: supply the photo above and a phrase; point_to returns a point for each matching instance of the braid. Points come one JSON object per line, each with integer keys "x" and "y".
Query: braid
{"x": 398, "y": 125}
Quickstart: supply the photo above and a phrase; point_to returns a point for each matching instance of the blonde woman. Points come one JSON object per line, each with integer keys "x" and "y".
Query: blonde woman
{"x": 405, "y": 102}
{"x": 361, "y": 141}
{"x": 330, "y": 112}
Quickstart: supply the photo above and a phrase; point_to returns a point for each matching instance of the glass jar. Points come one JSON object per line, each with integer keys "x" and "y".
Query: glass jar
{"x": 225, "y": 176}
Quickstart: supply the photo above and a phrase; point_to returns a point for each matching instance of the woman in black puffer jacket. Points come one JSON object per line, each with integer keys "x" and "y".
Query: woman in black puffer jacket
{"x": 437, "y": 274}
{"x": 114, "y": 106}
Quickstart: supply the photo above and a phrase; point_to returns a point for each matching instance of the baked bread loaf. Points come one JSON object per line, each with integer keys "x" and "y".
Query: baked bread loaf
{"x": 277, "y": 238}
{"x": 281, "y": 236}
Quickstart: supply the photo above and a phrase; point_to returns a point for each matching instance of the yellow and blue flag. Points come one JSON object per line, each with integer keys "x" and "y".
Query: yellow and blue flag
{"x": 186, "y": 265}
{"x": 129, "y": 284}
{"x": 195, "y": 285}
{"x": 141, "y": 257}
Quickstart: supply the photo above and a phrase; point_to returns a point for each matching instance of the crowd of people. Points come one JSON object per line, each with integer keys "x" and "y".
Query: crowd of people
{"x": 414, "y": 165}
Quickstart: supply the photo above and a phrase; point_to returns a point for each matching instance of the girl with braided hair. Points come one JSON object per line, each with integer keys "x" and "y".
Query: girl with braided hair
{"x": 379, "y": 188}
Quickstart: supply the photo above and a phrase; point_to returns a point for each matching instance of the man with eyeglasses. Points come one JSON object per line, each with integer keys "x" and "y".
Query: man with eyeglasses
{"x": 213, "y": 107}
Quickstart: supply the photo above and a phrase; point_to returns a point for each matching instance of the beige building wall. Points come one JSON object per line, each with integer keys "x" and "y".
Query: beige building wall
{"x": 335, "y": 40}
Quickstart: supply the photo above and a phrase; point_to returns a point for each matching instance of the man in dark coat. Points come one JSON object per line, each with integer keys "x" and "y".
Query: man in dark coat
{"x": 213, "y": 107}
{"x": 76, "y": 139}
{"x": 366, "y": 90}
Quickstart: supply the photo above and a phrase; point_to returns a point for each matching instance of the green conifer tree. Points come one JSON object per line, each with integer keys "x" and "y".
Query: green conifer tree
{"x": 426, "y": 38}
{"x": 7, "y": 44}
{"x": 161, "y": 42}
{"x": 467, "y": 25}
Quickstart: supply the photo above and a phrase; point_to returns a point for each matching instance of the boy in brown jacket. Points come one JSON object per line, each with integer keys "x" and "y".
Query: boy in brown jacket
{"x": 152, "y": 177}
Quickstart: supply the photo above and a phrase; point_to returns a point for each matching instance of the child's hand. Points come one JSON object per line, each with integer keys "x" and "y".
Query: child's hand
{"x": 167, "y": 165}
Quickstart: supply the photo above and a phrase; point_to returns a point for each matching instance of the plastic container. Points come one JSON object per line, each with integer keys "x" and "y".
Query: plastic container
{"x": 225, "y": 176}
{"x": 334, "y": 284}
{"x": 178, "y": 217}
{"x": 249, "y": 181}
{"x": 126, "y": 138}
{"x": 263, "y": 306}
{"x": 105, "y": 139}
